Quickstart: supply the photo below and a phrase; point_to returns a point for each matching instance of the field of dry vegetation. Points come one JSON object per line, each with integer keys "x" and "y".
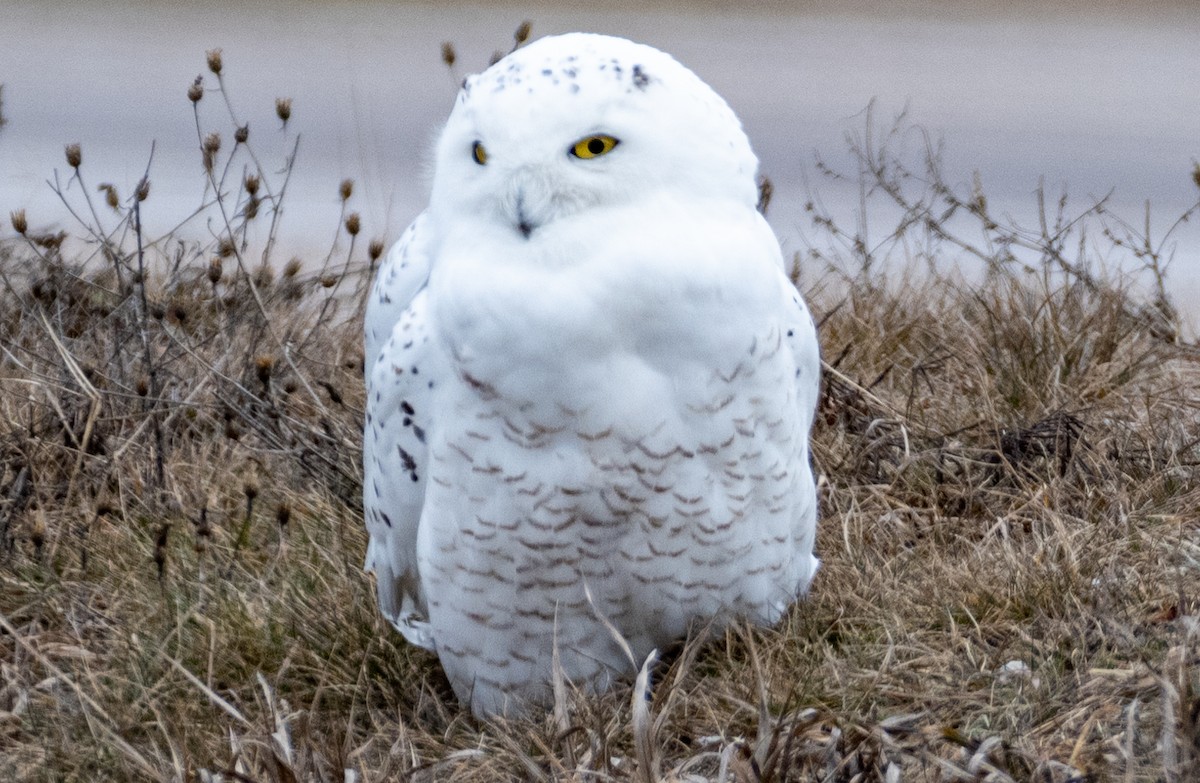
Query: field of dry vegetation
{"x": 1009, "y": 487}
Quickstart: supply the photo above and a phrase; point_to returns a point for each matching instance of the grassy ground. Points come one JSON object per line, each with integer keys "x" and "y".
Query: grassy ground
{"x": 1009, "y": 531}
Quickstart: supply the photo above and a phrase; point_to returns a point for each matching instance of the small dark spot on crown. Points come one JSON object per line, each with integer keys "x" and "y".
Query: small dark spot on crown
{"x": 640, "y": 78}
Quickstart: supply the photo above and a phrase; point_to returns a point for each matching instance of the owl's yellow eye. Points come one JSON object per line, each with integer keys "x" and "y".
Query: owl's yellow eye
{"x": 479, "y": 153}
{"x": 594, "y": 146}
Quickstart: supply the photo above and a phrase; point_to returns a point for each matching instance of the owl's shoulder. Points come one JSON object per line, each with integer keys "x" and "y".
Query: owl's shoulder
{"x": 403, "y": 273}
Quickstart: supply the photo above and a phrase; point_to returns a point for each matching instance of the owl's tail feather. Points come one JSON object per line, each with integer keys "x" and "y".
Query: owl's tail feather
{"x": 398, "y": 603}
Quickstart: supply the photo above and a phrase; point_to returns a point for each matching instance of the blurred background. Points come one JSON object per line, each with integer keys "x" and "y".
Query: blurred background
{"x": 1097, "y": 99}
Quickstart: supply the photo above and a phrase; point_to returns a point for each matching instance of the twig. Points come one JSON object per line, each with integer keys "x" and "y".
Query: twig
{"x": 151, "y": 369}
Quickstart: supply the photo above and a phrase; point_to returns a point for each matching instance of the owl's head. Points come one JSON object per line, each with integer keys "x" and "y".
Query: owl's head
{"x": 578, "y": 122}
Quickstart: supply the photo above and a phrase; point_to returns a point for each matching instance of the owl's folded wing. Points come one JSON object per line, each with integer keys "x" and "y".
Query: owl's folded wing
{"x": 397, "y": 419}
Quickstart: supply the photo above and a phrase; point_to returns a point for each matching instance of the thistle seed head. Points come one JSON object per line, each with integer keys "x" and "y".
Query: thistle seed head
{"x": 283, "y": 109}
{"x": 353, "y": 224}
{"x": 251, "y": 184}
{"x": 292, "y": 268}
{"x": 263, "y": 366}
{"x": 264, "y": 276}
{"x": 49, "y": 241}
{"x": 448, "y": 56}
{"x": 522, "y": 33}
{"x": 242, "y": 134}
{"x": 42, "y": 291}
{"x": 74, "y": 155}
{"x": 143, "y": 189}
{"x": 110, "y": 194}
{"x": 346, "y": 188}
{"x": 196, "y": 91}
{"x": 250, "y": 484}
{"x": 38, "y": 533}
{"x": 214, "y": 270}
{"x": 375, "y": 249}
{"x": 214, "y": 60}
{"x": 212, "y": 145}
{"x": 19, "y": 223}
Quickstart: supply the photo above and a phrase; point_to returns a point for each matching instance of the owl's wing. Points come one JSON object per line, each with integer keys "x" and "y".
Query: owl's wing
{"x": 403, "y": 273}
{"x": 801, "y": 333}
{"x": 399, "y": 385}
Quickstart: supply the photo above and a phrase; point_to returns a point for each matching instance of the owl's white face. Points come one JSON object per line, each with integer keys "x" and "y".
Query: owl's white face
{"x": 579, "y": 123}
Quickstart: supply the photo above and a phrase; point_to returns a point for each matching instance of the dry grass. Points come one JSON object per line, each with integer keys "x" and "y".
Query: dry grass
{"x": 1010, "y": 537}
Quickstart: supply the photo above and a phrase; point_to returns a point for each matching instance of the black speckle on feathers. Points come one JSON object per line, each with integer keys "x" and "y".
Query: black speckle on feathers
{"x": 640, "y": 78}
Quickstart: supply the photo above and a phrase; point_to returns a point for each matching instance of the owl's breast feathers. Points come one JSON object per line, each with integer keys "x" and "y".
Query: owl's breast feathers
{"x": 661, "y": 283}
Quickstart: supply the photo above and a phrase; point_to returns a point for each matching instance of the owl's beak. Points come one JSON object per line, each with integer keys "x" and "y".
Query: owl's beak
{"x": 524, "y": 224}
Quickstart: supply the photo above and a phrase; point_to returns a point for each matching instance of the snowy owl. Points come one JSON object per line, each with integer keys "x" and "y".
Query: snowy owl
{"x": 590, "y": 382}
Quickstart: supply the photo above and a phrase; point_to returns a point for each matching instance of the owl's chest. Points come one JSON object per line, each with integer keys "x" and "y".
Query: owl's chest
{"x": 638, "y": 479}
{"x": 654, "y": 280}
{"x": 572, "y": 416}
